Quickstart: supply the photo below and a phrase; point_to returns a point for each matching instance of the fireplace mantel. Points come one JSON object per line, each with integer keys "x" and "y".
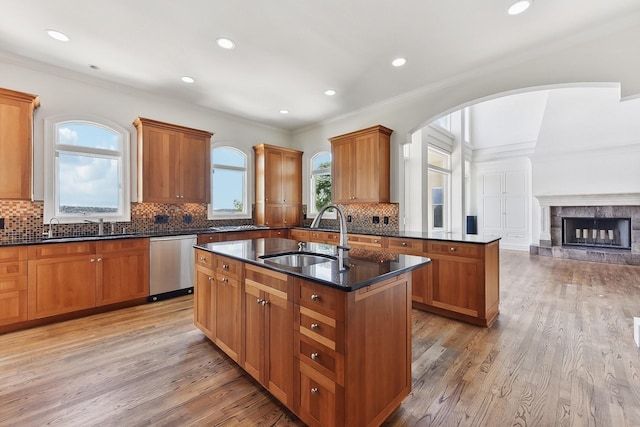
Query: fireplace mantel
{"x": 626, "y": 199}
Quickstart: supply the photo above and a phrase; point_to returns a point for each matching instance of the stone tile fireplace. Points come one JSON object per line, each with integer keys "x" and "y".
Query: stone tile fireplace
{"x": 590, "y": 228}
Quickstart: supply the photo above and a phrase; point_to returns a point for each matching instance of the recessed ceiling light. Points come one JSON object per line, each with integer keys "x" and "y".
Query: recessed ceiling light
{"x": 398, "y": 62}
{"x": 57, "y": 35}
{"x": 518, "y": 7}
{"x": 284, "y": 111}
{"x": 225, "y": 43}
{"x": 94, "y": 67}
{"x": 187, "y": 79}
{"x": 329, "y": 92}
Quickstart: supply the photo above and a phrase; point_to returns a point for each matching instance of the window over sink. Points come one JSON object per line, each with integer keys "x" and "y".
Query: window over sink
{"x": 86, "y": 170}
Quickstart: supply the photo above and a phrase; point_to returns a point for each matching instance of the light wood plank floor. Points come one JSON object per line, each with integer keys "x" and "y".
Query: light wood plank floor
{"x": 560, "y": 354}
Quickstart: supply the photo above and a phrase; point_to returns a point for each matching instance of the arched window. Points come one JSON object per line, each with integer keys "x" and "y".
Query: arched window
{"x": 320, "y": 189}
{"x": 86, "y": 170}
{"x": 228, "y": 184}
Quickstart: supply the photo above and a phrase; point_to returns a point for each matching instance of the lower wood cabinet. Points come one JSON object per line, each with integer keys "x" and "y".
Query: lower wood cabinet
{"x": 13, "y": 285}
{"x": 268, "y": 330}
{"x": 69, "y": 277}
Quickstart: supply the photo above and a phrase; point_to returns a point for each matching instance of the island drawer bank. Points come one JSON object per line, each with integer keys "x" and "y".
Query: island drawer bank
{"x": 333, "y": 344}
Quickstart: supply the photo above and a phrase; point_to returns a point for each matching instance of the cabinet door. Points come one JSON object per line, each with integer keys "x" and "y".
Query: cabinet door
{"x": 196, "y": 169}
{"x": 253, "y": 338}
{"x": 279, "y": 346}
{"x": 122, "y": 277}
{"x": 15, "y": 148}
{"x": 161, "y": 165}
{"x": 421, "y": 284}
{"x": 273, "y": 176}
{"x": 291, "y": 178}
{"x": 366, "y": 171}
{"x": 342, "y": 172}
{"x": 274, "y": 215}
{"x": 204, "y": 296}
{"x": 456, "y": 285}
{"x": 317, "y": 393}
{"x": 61, "y": 285}
{"x": 13, "y": 299}
{"x": 291, "y": 215}
{"x": 227, "y": 314}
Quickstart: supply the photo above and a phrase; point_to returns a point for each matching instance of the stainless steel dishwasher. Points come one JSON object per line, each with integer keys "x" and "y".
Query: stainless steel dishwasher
{"x": 171, "y": 266}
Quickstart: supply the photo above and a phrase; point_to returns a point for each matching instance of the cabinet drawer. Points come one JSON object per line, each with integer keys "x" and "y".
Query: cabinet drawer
{"x": 406, "y": 246}
{"x": 324, "y": 237}
{"x": 208, "y": 238}
{"x": 204, "y": 258}
{"x": 227, "y": 267}
{"x": 320, "y": 328}
{"x": 302, "y": 235}
{"x": 14, "y": 268}
{"x": 317, "y": 397}
{"x": 122, "y": 245}
{"x": 269, "y": 281}
{"x": 365, "y": 242}
{"x": 13, "y": 299}
{"x": 13, "y": 253}
{"x": 321, "y": 299}
{"x": 455, "y": 249}
{"x": 326, "y": 361}
{"x": 53, "y": 250}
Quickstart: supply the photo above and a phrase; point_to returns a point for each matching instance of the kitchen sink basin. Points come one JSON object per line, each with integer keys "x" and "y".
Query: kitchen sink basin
{"x": 298, "y": 259}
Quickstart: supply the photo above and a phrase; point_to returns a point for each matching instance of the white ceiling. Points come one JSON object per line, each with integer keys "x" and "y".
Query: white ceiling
{"x": 290, "y": 51}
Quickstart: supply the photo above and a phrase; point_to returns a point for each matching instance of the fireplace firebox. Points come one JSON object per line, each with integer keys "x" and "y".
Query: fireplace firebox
{"x": 614, "y": 233}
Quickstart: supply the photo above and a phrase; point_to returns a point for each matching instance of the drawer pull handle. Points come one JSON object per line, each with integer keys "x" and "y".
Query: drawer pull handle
{"x": 452, "y": 249}
{"x": 225, "y": 266}
{"x": 314, "y": 390}
{"x": 314, "y": 356}
{"x": 404, "y": 243}
{"x": 315, "y": 297}
{"x": 314, "y": 326}
{"x": 202, "y": 258}
{"x": 376, "y": 241}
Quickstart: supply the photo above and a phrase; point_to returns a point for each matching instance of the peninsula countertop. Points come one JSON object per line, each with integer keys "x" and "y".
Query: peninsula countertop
{"x": 362, "y": 267}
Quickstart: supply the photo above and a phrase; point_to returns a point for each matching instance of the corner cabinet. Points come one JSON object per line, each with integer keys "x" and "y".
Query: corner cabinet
{"x": 360, "y": 166}
{"x": 278, "y": 186}
{"x": 174, "y": 163}
{"x": 16, "y": 142}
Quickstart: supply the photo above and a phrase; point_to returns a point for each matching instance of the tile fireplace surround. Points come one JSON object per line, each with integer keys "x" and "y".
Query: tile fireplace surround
{"x": 554, "y": 208}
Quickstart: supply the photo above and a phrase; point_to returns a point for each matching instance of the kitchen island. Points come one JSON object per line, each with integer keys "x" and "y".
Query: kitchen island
{"x": 329, "y": 338}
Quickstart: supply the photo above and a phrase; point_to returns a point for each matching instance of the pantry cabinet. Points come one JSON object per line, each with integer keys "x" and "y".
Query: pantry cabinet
{"x": 360, "y": 166}
{"x": 16, "y": 143}
{"x": 173, "y": 163}
{"x": 278, "y": 177}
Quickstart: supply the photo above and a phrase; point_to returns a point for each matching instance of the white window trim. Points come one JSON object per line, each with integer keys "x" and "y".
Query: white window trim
{"x": 211, "y": 215}
{"x": 311, "y": 210}
{"x": 50, "y": 169}
{"x": 447, "y": 194}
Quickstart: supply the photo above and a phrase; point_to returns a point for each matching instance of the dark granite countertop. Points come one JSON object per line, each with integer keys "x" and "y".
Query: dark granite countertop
{"x": 423, "y": 235}
{"x": 364, "y": 267}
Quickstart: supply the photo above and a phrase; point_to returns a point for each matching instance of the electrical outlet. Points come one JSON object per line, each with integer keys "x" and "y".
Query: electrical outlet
{"x": 376, "y": 220}
{"x": 187, "y": 218}
{"x": 162, "y": 219}
{"x": 348, "y": 218}
{"x": 1, "y": 223}
{"x": 385, "y": 220}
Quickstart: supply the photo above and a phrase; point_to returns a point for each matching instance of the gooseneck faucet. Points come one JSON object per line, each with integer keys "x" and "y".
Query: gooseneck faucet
{"x": 100, "y": 223}
{"x": 343, "y": 247}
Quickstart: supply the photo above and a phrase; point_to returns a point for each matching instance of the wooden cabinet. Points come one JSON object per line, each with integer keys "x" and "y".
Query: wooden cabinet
{"x": 348, "y": 353}
{"x": 360, "y": 241}
{"x": 235, "y": 235}
{"x": 68, "y": 277}
{"x": 173, "y": 163}
{"x": 217, "y": 304}
{"x": 16, "y": 143}
{"x": 268, "y": 331}
{"x": 13, "y": 285}
{"x": 278, "y": 186}
{"x": 123, "y": 270}
{"x": 360, "y": 166}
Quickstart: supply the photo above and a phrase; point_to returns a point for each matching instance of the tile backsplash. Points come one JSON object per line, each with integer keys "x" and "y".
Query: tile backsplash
{"x": 23, "y": 220}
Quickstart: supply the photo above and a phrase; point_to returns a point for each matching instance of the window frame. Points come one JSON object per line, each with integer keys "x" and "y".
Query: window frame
{"x": 51, "y": 176}
{"x": 446, "y": 193}
{"x": 312, "y": 212}
{"x": 246, "y": 213}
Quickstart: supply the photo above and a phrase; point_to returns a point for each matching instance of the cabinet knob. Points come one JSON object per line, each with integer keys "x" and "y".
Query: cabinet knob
{"x": 177, "y": 197}
{"x": 315, "y": 297}
{"x": 264, "y": 303}
{"x": 314, "y": 326}
{"x": 225, "y": 266}
{"x": 99, "y": 260}
{"x": 314, "y": 390}
{"x": 259, "y": 300}
{"x": 376, "y": 241}
{"x": 203, "y": 258}
{"x": 225, "y": 280}
{"x": 452, "y": 249}
{"x": 314, "y": 356}
{"x": 92, "y": 260}
{"x": 210, "y": 278}
{"x": 404, "y": 243}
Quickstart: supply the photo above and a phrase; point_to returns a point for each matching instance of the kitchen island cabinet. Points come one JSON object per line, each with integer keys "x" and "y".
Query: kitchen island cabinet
{"x": 332, "y": 344}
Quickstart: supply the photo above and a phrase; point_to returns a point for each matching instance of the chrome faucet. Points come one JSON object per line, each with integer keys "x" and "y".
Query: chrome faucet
{"x": 100, "y": 223}
{"x": 343, "y": 247}
{"x": 50, "y": 232}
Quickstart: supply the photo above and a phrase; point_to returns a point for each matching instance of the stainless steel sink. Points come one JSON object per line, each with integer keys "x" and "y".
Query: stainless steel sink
{"x": 298, "y": 259}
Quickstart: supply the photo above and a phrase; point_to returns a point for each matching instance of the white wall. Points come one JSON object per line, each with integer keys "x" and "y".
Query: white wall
{"x": 65, "y": 93}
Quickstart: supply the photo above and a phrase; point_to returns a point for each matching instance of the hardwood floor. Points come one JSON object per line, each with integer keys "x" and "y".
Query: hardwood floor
{"x": 560, "y": 354}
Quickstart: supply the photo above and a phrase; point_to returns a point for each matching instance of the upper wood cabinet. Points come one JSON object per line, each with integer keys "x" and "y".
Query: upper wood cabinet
{"x": 16, "y": 140}
{"x": 278, "y": 186}
{"x": 360, "y": 166}
{"x": 174, "y": 163}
